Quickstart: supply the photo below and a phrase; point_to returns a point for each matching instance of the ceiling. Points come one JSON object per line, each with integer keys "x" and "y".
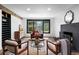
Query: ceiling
{"x": 38, "y": 10}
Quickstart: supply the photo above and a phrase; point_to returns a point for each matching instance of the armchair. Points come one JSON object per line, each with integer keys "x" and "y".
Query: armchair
{"x": 34, "y": 34}
{"x": 41, "y": 36}
{"x": 12, "y": 46}
{"x": 61, "y": 46}
{"x": 53, "y": 47}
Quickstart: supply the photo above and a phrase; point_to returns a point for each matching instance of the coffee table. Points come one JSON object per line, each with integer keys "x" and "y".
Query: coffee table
{"x": 36, "y": 45}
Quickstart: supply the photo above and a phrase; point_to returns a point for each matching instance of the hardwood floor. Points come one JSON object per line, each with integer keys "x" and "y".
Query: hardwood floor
{"x": 25, "y": 53}
{"x": 75, "y": 53}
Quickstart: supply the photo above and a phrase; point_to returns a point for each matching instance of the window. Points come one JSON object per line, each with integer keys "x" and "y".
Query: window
{"x": 43, "y": 26}
{"x": 30, "y": 26}
{"x": 46, "y": 27}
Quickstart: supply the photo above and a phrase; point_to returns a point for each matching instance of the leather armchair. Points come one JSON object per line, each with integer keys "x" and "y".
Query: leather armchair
{"x": 61, "y": 46}
{"x": 54, "y": 47}
{"x": 13, "y": 47}
{"x": 41, "y": 36}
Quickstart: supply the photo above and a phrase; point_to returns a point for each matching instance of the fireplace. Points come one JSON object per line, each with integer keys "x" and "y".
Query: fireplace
{"x": 70, "y": 37}
{"x": 71, "y": 31}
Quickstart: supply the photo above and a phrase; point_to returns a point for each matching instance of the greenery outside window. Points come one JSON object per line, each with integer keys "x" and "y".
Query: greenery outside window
{"x": 42, "y": 26}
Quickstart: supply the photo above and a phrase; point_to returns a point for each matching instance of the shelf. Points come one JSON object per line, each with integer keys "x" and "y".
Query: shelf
{"x": 6, "y": 26}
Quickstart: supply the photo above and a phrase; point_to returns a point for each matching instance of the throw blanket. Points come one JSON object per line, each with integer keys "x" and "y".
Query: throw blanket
{"x": 64, "y": 46}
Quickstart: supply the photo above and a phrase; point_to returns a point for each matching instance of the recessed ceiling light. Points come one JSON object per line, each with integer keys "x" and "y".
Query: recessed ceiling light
{"x": 49, "y": 9}
{"x": 28, "y": 9}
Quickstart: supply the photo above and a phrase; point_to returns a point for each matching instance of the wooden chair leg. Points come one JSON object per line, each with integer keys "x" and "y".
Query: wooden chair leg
{"x": 3, "y": 50}
{"x": 47, "y": 47}
{"x": 27, "y": 47}
{"x": 16, "y": 52}
{"x": 46, "y": 51}
{"x": 37, "y": 50}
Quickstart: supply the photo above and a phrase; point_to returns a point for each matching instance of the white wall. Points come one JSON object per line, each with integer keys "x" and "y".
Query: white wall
{"x": 58, "y": 20}
{"x": 15, "y": 22}
{"x": 24, "y": 23}
{"x": 0, "y": 29}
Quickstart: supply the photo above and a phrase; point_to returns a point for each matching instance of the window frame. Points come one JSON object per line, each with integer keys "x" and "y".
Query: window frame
{"x": 42, "y": 26}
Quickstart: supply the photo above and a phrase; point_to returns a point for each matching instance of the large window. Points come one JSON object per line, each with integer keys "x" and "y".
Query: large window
{"x": 43, "y": 26}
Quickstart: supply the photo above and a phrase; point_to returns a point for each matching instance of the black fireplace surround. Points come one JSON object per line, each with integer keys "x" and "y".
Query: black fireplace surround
{"x": 71, "y": 31}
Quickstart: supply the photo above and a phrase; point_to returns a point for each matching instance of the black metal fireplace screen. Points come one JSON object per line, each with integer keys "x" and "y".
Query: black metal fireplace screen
{"x": 70, "y": 37}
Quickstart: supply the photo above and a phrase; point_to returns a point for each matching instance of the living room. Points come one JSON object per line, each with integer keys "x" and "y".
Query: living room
{"x": 44, "y": 18}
